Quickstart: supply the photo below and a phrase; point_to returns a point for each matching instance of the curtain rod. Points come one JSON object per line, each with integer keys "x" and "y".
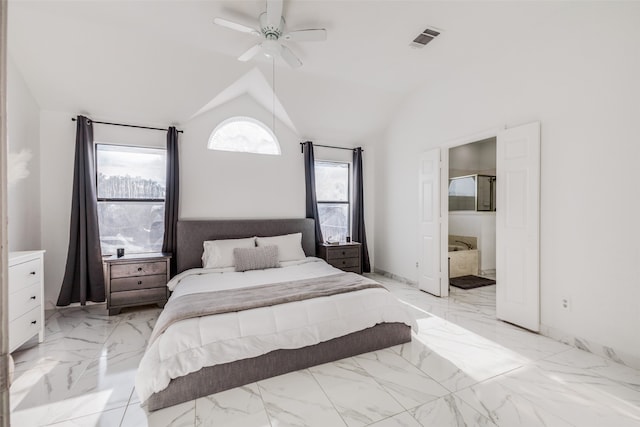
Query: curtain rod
{"x": 327, "y": 146}
{"x": 129, "y": 126}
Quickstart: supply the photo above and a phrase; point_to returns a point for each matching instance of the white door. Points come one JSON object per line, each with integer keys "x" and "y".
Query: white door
{"x": 429, "y": 211}
{"x": 518, "y": 225}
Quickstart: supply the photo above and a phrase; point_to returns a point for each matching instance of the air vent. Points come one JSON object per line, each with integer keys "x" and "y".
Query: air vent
{"x": 425, "y": 37}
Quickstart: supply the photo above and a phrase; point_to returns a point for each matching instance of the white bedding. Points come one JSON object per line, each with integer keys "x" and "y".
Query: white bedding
{"x": 189, "y": 345}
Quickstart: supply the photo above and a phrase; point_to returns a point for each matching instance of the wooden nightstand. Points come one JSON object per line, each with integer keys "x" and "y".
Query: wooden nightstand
{"x": 345, "y": 256}
{"x": 136, "y": 279}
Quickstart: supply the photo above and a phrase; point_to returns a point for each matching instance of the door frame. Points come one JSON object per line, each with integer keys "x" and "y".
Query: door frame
{"x": 444, "y": 197}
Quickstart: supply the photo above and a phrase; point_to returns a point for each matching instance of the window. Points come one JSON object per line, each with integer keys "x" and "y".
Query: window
{"x": 333, "y": 192}
{"x": 130, "y": 188}
{"x": 244, "y": 134}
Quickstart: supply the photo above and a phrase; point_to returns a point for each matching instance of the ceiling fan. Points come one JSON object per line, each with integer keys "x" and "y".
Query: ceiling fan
{"x": 272, "y": 30}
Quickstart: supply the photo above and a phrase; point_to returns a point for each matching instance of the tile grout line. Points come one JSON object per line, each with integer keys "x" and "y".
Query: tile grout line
{"x": 590, "y": 371}
{"x": 326, "y": 394}
{"x": 385, "y": 388}
{"x": 124, "y": 414}
{"x": 264, "y": 404}
{"x": 520, "y": 395}
{"x": 89, "y": 360}
{"x": 95, "y": 358}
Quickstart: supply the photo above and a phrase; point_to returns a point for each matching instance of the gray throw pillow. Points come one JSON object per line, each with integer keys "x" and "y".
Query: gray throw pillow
{"x": 257, "y": 258}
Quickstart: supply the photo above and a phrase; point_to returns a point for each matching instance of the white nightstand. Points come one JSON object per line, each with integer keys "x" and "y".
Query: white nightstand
{"x": 26, "y": 295}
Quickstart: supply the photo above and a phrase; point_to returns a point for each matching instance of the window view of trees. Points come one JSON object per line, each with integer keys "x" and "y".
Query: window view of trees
{"x": 332, "y": 193}
{"x": 129, "y": 187}
{"x": 131, "y": 190}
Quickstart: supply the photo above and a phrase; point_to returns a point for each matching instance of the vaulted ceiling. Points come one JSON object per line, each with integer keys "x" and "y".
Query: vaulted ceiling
{"x": 161, "y": 62}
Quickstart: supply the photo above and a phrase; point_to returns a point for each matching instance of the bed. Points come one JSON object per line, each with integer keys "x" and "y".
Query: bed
{"x": 199, "y": 356}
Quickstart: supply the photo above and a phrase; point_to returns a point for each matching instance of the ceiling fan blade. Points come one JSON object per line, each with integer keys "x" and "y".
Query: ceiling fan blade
{"x": 236, "y": 26}
{"x": 310, "y": 35}
{"x": 274, "y": 13}
{"x": 289, "y": 57}
{"x": 253, "y": 51}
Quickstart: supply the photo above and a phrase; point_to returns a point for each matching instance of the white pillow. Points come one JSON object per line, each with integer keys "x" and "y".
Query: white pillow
{"x": 289, "y": 246}
{"x": 219, "y": 253}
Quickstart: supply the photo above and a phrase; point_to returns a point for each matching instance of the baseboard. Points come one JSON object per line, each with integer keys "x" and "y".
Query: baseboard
{"x": 612, "y": 354}
{"x": 395, "y": 277}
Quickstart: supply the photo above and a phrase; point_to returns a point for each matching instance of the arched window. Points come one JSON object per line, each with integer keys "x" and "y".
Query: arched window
{"x": 245, "y": 135}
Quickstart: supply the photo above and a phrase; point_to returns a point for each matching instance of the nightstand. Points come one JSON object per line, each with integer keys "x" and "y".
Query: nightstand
{"x": 136, "y": 279}
{"x": 345, "y": 256}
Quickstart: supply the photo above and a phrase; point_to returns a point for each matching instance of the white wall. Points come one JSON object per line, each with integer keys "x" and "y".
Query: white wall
{"x": 221, "y": 184}
{"x": 23, "y": 131}
{"x": 583, "y": 86}
{"x": 213, "y": 184}
{"x": 56, "y": 178}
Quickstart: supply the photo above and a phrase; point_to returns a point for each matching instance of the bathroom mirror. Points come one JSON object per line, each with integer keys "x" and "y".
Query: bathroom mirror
{"x": 472, "y": 193}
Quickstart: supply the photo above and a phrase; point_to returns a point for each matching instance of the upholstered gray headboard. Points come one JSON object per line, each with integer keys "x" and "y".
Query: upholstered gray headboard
{"x": 192, "y": 233}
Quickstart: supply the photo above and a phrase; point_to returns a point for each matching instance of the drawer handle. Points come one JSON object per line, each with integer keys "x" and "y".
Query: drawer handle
{"x": 33, "y": 273}
{"x": 139, "y": 268}
{"x": 33, "y": 297}
{"x": 344, "y": 262}
{"x": 344, "y": 253}
{"x": 33, "y": 322}
{"x": 139, "y": 282}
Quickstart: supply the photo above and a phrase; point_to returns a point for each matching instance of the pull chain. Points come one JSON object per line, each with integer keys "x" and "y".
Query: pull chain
{"x": 273, "y": 83}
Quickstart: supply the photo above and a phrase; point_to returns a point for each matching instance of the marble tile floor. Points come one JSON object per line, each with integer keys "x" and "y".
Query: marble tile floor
{"x": 482, "y": 298}
{"x": 462, "y": 368}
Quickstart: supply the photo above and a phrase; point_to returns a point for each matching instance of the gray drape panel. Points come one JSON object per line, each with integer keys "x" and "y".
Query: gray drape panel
{"x": 172, "y": 197}
{"x": 83, "y": 278}
{"x": 310, "y": 186}
{"x": 358, "y": 233}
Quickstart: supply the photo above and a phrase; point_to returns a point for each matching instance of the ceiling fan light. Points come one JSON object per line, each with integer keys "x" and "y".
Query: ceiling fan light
{"x": 272, "y": 31}
{"x": 271, "y": 48}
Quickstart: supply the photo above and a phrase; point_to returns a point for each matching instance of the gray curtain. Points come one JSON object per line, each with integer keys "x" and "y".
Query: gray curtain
{"x": 171, "y": 197}
{"x": 358, "y": 233}
{"x": 83, "y": 280}
{"x": 310, "y": 186}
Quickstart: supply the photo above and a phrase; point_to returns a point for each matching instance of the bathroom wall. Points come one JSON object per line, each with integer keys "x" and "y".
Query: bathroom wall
{"x": 478, "y": 157}
{"x": 481, "y": 225}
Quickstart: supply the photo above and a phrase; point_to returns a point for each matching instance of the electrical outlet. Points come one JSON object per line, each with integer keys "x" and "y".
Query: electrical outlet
{"x": 417, "y": 265}
{"x": 566, "y": 303}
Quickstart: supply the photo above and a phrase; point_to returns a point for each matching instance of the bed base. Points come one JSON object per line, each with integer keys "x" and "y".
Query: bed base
{"x": 214, "y": 379}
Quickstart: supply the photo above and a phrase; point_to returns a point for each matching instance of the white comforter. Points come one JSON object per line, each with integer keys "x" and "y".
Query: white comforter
{"x": 189, "y": 345}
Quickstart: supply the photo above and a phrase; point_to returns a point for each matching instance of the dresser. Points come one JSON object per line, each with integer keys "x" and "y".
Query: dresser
{"x": 136, "y": 279}
{"x": 345, "y": 256}
{"x": 26, "y": 295}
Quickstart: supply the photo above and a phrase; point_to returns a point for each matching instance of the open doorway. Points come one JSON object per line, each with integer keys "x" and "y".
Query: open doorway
{"x": 471, "y": 238}
{"x": 517, "y": 207}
